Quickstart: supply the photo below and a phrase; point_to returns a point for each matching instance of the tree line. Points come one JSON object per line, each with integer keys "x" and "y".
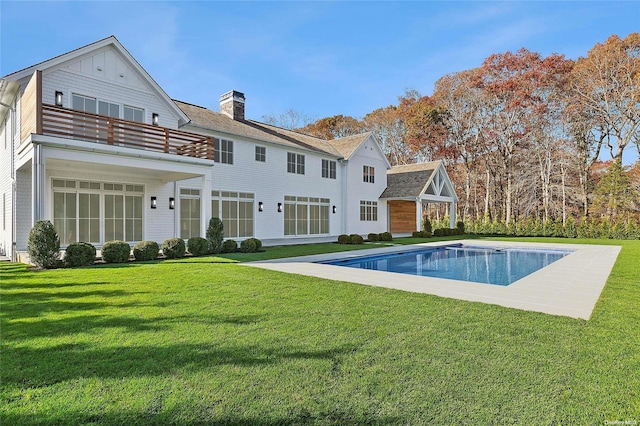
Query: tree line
{"x": 522, "y": 135}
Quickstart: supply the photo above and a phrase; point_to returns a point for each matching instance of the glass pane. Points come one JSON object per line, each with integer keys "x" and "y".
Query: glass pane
{"x": 90, "y": 105}
{"x": 301, "y": 222}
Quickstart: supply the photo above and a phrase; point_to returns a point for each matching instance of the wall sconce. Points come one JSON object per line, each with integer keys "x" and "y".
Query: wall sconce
{"x": 260, "y": 206}
{"x": 172, "y": 203}
{"x": 279, "y": 207}
{"x": 154, "y": 202}
{"x": 334, "y": 209}
{"x": 155, "y": 118}
{"x": 58, "y": 99}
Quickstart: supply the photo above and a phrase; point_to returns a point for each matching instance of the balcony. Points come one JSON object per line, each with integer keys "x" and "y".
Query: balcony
{"x": 80, "y": 125}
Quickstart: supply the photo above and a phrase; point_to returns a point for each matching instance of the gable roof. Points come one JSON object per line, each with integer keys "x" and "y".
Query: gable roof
{"x": 414, "y": 180}
{"x": 108, "y": 41}
{"x": 349, "y": 144}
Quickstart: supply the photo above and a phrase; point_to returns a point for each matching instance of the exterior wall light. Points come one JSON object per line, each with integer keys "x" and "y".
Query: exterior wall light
{"x": 260, "y": 206}
{"x": 172, "y": 203}
{"x": 334, "y": 209}
{"x": 58, "y": 99}
{"x": 155, "y": 119}
{"x": 279, "y": 207}
{"x": 154, "y": 202}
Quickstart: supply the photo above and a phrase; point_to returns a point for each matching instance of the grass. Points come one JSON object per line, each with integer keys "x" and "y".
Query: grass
{"x": 210, "y": 341}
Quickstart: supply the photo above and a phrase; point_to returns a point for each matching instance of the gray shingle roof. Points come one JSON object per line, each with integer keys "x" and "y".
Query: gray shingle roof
{"x": 409, "y": 180}
{"x": 347, "y": 146}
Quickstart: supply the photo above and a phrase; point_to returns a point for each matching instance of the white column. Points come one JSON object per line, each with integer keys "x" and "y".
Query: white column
{"x": 37, "y": 184}
{"x": 452, "y": 214}
{"x": 205, "y": 204}
{"x": 418, "y": 214}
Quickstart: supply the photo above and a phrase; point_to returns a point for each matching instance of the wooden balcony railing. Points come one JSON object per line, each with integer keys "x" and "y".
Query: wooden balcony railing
{"x": 80, "y": 125}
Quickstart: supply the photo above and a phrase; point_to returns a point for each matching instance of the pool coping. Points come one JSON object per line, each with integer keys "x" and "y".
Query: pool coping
{"x": 570, "y": 286}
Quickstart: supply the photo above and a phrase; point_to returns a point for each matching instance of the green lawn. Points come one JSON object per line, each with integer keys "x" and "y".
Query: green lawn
{"x": 210, "y": 341}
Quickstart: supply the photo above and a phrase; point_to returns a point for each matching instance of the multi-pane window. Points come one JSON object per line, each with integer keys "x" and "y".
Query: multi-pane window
{"x": 368, "y": 210}
{"x": 86, "y": 128}
{"x": 189, "y": 213}
{"x": 79, "y": 208}
{"x": 295, "y": 163}
{"x": 328, "y": 169}
{"x": 235, "y": 209}
{"x": 306, "y": 215}
{"x": 261, "y": 154}
{"x": 133, "y": 114}
{"x": 368, "y": 174}
{"x": 223, "y": 151}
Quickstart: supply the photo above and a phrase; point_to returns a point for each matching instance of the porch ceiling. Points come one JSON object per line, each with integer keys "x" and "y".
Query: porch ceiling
{"x": 100, "y": 169}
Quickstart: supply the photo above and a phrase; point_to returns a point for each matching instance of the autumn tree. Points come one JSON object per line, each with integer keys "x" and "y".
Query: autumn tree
{"x": 290, "y": 119}
{"x": 388, "y": 127}
{"x": 606, "y": 86}
{"x": 337, "y": 126}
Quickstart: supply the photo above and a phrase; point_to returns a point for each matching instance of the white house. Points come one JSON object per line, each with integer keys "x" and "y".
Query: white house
{"x": 92, "y": 143}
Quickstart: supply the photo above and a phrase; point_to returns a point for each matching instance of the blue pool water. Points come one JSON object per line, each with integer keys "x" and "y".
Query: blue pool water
{"x": 499, "y": 266}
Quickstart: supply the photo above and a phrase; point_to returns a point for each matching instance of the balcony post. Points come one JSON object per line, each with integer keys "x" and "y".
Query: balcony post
{"x": 209, "y": 148}
{"x": 166, "y": 140}
{"x": 110, "y": 132}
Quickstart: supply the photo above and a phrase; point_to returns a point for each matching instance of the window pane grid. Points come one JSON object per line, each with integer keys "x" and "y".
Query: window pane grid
{"x": 306, "y": 215}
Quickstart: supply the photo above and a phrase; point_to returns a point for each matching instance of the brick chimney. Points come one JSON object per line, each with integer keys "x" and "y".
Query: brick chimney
{"x": 232, "y": 105}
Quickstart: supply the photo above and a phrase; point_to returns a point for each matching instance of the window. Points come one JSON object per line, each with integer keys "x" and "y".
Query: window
{"x": 4, "y": 211}
{"x": 189, "y": 213}
{"x": 79, "y": 208}
{"x": 133, "y": 114}
{"x": 368, "y": 174}
{"x": 368, "y": 210}
{"x": 235, "y": 209}
{"x": 328, "y": 169}
{"x": 295, "y": 163}
{"x": 261, "y": 154}
{"x": 306, "y": 215}
{"x": 223, "y": 151}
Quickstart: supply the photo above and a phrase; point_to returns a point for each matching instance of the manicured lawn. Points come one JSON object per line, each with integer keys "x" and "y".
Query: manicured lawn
{"x": 209, "y": 341}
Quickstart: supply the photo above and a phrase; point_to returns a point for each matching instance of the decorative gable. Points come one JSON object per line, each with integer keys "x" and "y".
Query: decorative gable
{"x": 440, "y": 184}
{"x": 107, "y": 64}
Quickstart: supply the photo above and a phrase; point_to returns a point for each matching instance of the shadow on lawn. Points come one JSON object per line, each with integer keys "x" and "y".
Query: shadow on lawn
{"x": 25, "y": 367}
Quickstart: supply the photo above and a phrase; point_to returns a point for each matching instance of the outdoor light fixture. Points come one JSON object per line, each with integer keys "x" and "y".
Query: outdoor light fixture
{"x": 172, "y": 203}
{"x": 279, "y": 207}
{"x": 334, "y": 209}
{"x": 260, "y": 206}
{"x": 154, "y": 119}
{"x": 58, "y": 99}
{"x": 154, "y": 202}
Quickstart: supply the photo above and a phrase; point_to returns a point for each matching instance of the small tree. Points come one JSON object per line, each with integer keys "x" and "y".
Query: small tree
{"x": 43, "y": 245}
{"x": 215, "y": 234}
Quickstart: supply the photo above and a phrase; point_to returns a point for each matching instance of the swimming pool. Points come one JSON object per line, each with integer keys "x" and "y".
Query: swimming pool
{"x": 488, "y": 265}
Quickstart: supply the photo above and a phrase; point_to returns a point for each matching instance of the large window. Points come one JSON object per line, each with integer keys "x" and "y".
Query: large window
{"x": 306, "y": 215}
{"x": 368, "y": 210}
{"x": 85, "y": 127}
{"x": 79, "y": 208}
{"x": 295, "y": 163}
{"x": 328, "y": 169}
{"x": 235, "y": 209}
{"x": 223, "y": 151}
{"x": 189, "y": 213}
{"x": 368, "y": 174}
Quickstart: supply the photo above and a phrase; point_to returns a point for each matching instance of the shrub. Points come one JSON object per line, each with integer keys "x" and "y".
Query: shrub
{"x": 385, "y": 236}
{"x": 248, "y": 246}
{"x": 570, "y": 230}
{"x": 356, "y": 239}
{"x": 115, "y": 251}
{"x": 215, "y": 234}
{"x": 229, "y": 246}
{"x": 258, "y": 243}
{"x": 372, "y": 237}
{"x": 43, "y": 245}
{"x": 460, "y": 227}
{"x": 146, "y": 250}
{"x": 344, "y": 239}
{"x": 426, "y": 225}
{"x": 198, "y": 246}
{"x": 173, "y": 248}
{"x": 79, "y": 254}
{"x": 421, "y": 234}
{"x": 631, "y": 230}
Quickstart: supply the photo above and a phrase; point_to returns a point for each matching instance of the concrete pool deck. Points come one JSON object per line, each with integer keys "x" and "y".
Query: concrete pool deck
{"x": 568, "y": 287}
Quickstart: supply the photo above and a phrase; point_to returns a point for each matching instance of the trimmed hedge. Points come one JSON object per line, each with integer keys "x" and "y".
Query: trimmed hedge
{"x": 385, "y": 236}
{"x": 258, "y": 243}
{"x": 229, "y": 246}
{"x": 79, "y": 254}
{"x": 115, "y": 251}
{"x": 43, "y": 245}
{"x": 215, "y": 234}
{"x": 356, "y": 239}
{"x": 198, "y": 246}
{"x": 344, "y": 239}
{"x": 421, "y": 234}
{"x": 173, "y": 248}
{"x": 372, "y": 237}
{"x": 146, "y": 250}
{"x": 447, "y": 232}
{"x": 248, "y": 246}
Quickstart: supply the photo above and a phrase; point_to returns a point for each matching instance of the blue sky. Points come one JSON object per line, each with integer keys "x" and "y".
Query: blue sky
{"x": 318, "y": 58}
